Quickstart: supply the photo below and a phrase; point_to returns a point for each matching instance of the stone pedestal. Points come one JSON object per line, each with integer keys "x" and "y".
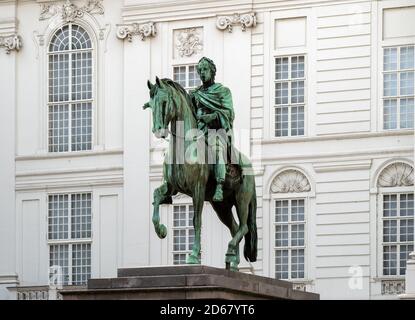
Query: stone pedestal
{"x": 186, "y": 282}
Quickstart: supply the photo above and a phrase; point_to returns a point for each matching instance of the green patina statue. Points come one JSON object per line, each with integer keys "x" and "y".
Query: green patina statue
{"x": 201, "y": 123}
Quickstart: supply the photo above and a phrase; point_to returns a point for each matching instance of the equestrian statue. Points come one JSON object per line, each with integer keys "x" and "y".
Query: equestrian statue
{"x": 201, "y": 160}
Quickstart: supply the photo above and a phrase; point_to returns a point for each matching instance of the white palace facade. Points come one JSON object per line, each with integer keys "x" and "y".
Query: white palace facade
{"x": 323, "y": 93}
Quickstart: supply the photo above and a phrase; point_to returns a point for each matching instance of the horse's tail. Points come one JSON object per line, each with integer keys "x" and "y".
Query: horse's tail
{"x": 251, "y": 238}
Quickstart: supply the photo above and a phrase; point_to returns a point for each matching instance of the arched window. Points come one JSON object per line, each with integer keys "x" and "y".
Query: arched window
{"x": 396, "y": 195}
{"x": 289, "y": 190}
{"x": 70, "y": 90}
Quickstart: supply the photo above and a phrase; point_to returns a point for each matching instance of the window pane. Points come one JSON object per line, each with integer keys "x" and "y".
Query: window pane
{"x": 297, "y": 210}
{"x": 59, "y": 77}
{"x": 194, "y": 79}
{"x": 58, "y": 216}
{"x": 82, "y": 75}
{"x": 281, "y": 121}
{"x": 179, "y": 258}
{"x": 80, "y": 38}
{"x": 297, "y": 121}
{"x": 390, "y": 84}
{"x": 179, "y": 75}
{"x": 297, "y": 235}
{"x": 191, "y": 239}
{"x": 406, "y": 230}
{"x": 281, "y": 93}
{"x": 390, "y": 59}
{"x": 389, "y": 260}
{"x": 58, "y": 259}
{"x": 407, "y": 113}
{"x": 390, "y": 230}
{"x": 407, "y": 57}
{"x": 297, "y": 67}
{"x": 281, "y": 235}
{"x": 389, "y": 114}
{"x": 297, "y": 92}
{"x": 81, "y": 126}
{"x": 58, "y": 128}
{"x": 81, "y": 215}
{"x": 407, "y": 205}
{"x": 297, "y": 263}
{"x": 281, "y": 264}
{"x": 81, "y": 263}
{"x": 281, "y": 210}
{"x": 190, "y": 220}
{"x": 389, "y": 205}
{"x": 60, "y": 40}
{"x": 407, "y": 83}
{"x": 405, "y": 250}
{"x": 179, "y": 240}
{"x": 281, "y": 68}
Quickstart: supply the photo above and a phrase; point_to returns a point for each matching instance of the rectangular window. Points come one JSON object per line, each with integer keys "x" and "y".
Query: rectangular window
{"x": 398, "y": 87}
{"x": 289, "y": 96}
{"x": 183, "y": 232}
{"x": 398, "y": 232}
{"x": 289, "y": 239}
{"x": 186, "y": 76}
{"x": 70, "y": 236}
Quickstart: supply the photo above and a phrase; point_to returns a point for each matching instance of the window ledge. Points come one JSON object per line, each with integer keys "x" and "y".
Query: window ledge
{"x": 71, "y": 154}
{"x": 342, "y": 136}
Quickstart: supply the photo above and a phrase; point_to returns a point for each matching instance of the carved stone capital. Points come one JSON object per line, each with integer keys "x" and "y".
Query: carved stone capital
{"x": 70, "y": 11}
{"x": 12, "y": 42}
{"x": 245, "y": 20}
{"x": 142, "y": 30}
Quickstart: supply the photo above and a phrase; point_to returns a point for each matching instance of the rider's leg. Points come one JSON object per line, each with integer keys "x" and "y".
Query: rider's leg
{"x": 220, "y": 172}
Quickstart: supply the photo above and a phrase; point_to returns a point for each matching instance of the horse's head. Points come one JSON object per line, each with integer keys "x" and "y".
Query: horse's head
{"x": 162, "y": 105}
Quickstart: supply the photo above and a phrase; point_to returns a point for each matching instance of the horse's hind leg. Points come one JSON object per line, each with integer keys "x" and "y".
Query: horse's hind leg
{"x": 162, "y": 195}
{"x": 242, "y": 205}
{"x": 224, "y": 212}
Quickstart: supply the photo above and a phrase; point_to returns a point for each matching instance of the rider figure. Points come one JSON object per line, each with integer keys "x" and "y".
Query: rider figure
{"x": 213, "y": 104}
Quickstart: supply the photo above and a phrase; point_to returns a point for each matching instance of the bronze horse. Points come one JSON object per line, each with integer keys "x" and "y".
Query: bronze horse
{"x": 171, "y": 103}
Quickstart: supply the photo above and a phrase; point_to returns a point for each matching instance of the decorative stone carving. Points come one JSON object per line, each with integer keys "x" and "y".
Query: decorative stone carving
{"x": 397, "y": 174}
{"x": 142, "y": 30}
{"x": 246, "y": 20}
{"x": 290, "y": 181}
{"x": 393, "y": 287}
{"x": 70, "y": 11}
{"x": 188, "y": 42}
{"x": 12, "y": 42}
{"x": 299, "y": 286}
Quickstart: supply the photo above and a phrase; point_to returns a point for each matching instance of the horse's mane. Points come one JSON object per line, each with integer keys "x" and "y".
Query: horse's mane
{"x": 175, "y": 87}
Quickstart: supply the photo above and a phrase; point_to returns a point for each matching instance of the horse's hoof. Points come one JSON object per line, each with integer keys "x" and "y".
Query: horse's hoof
{"x": 162, "y": 231}
{"x": 234, "y": 267}
{"x": 191, "y": 259}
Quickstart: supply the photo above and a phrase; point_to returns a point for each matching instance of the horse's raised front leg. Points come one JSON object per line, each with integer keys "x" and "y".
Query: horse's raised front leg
{"x": 198, "y": 200}
{"x": 162, "y": 195}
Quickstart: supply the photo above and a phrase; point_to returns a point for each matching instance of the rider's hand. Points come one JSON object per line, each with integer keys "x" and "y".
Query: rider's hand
{"x": 207, "y": 118}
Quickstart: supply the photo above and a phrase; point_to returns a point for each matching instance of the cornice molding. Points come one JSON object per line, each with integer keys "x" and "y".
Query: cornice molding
{"x": 245, "y": 20}
{"x": 69, "y": 11}
{"x": 145, "y": 30}
{"x": 11, "y": 42}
